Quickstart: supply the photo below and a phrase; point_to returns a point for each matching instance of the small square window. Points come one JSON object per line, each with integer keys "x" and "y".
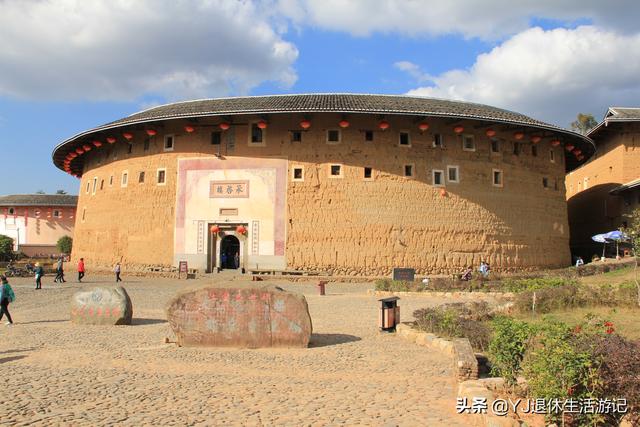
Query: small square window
{"x": 367, "y": 172}
{"x": 37, "y": 213}
{"x": 437, "y": 177}
{"x": 296, "y": 136}
{"x": 368, "y": 135}
{"x": 57, "y": 214}
{"x": 404, "y": 139}
{"x": 408, "y": 170}
{"x": 125, "y": 179}
{"x": 468, "y": 143}
{"x": 333, "y": 136}
{"x": 545, "y": 182}
{"x": 497, "y": 178}
{"x": 495, "y": 146}
{"x": 298, "y": 173}
{"x": 12, "y": 211}
{"x": 534, "y": 150}
{"x": 146, "y": 144}
{"x": 216, "y": 138}
{"x": 161, "y": 177}
{"x": 453, "y": 174}
{"x": 438, "y": 140}
{"x": 552, "y": 156}
{"x": 335, "y": 171}
{"x": 168, "y": 142}
{"x": 256, "y": 135}
{"x": 141, "y": 178}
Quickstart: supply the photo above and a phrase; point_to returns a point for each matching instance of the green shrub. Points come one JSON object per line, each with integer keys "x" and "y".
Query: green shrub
{"x": 507, "y": 347}
{"x": 534, "y": 284}
{"x": 6, "y": 247}
{"x": 398, "y": 286}
{"x": 549, "y": 299}
{"x": 64, "y": 245}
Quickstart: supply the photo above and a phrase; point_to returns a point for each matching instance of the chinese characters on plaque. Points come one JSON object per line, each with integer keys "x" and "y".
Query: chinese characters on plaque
{"x": 229, "y": 189}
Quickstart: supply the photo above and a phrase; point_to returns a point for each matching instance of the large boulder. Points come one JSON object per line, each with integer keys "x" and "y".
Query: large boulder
{"x": 233, "y": 317}
{"x": 102, "y": 306}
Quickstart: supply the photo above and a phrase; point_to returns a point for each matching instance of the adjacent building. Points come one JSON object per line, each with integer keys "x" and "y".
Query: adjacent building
{"x": 35, "y": 222}
{"x": 342, "y": 183}
{"x": 604, "y": 190}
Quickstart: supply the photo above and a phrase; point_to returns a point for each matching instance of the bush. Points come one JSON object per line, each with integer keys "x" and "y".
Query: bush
{"x": 399, "y": 286}
{"x": 534, "y": 284}
{"x": 6, "y": 247}
{"x": 549, "y": 299}
{"x": 64, "y": 245}
{"x": 457, "y": 320}
{"x": 507, "y": 347}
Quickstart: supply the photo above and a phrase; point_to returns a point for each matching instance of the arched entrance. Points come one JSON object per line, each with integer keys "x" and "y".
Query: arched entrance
{"x": 229, "y": 247}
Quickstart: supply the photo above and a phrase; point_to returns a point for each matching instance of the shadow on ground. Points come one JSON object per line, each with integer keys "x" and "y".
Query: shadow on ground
{"x": 10, "y": 359}
{"x": 135, "y": 321}
{"x": 18, "y": 350}
{"x": 324, "y": 340}
{"x": 44, "y": 321}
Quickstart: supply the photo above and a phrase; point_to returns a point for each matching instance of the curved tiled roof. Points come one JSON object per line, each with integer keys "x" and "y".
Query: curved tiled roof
{"x": 39, "y": 200}
{"x": 311, "y": 103}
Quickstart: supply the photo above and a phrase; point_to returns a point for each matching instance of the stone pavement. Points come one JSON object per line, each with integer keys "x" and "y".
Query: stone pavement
{"x": 57, "y": 373}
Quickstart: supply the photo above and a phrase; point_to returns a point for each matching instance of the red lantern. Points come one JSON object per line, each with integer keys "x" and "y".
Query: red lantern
{"x": 305, "y": 124}
{"x": 343, "y": 124}
{"x": 577, "y": 152}
{"x": 458, "y": 129}
{"x": 536, "y": 138}
{"x": 241, "y": 229}
{"x": 73, "y": 155}
{"x": 490, "y": 133}
{"x": 384, "y": 125}
{"x": 555, "y": 142}
{"x": 189, "y": 129}
{"x": 224, "y": 126}
{"x": 111, "y": 140}
{"x": 127, "y": 135}
{"x": 79, "y": 150}
{"x": 569, "y": 147}
{"x": 215, "y": 229}
{"x": 97, "y": 143}
{"x": 423, "y": 126}
{"x": 518, "y": 135}
{"x": 262, "y": 124}
{"x": 86, "y": 147}
{"x": 151, "y": 132}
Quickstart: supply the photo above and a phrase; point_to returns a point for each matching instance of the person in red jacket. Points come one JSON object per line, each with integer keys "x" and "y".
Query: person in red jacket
{"x": 80, "y": 270}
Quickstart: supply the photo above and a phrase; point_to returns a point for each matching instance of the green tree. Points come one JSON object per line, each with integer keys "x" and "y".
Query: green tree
{"x": 633, "y": 232}
{"x": 61, "y": 192}
{"x": 64, "y": 245}
{"x": 6, "y": 246}
{"x": 584, "y": 123}
{"x": 40, "y": 192}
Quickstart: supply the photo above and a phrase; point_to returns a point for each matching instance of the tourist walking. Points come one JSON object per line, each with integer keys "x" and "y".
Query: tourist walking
{"x": 484, "y": 269}
{"x": 116, "y": 270}
{"x": 466, "y": 275}
{"x": 39, "y": 273}
{"x": 80, "y": 270}
{"x": 59, "y": 271}
{"x": 236, "y": 260}
{"x": 6, "y": 296}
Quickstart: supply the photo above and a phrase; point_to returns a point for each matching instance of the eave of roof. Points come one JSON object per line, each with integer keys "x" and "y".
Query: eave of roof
{"x": 64, "y": 200}
{"x": 626, "y": 187}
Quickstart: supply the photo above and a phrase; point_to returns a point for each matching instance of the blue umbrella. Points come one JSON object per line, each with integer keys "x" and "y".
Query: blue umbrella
{"x": 600, "y": 239}
{"x": 616, "y": 236}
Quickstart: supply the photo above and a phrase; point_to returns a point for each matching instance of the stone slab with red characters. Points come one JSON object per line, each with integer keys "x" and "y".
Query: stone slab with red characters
{"x": 102, "y": 306}
{"x": 234, "y": 317}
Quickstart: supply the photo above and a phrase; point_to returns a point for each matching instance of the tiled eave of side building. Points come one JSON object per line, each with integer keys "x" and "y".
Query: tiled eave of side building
{"x": 615, "y": 115}
{"x": 379, "y": 105}
{"x": 635, "y": 184}
{"x": 15, "y": 200}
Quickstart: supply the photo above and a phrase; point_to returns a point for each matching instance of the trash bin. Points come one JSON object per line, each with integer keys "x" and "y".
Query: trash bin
{"x": 321, "y": 286}
{"x": 389, "y": 314}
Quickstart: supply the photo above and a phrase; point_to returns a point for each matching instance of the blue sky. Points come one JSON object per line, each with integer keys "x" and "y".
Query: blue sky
{"x": 63, "y": 71}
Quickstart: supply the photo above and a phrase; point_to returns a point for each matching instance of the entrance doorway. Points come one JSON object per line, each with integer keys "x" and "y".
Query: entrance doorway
{"x": 229, "y": 247}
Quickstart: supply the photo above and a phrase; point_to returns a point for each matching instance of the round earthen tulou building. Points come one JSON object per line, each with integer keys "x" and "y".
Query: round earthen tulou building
{"x": 337, "y": 183}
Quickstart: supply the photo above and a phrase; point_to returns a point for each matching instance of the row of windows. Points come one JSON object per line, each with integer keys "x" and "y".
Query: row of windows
{"x": 161, "y": 179}
{"x": 56, "y": 213}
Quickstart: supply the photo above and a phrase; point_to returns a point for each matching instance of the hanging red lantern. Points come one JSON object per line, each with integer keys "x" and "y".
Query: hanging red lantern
{"x": 241, "y": 229}
{"x": 79, "y": 150}
{"x": 518, "y": 135}
{"x": 262, "y": 124}
{"x": 151, "y": 132}
{"x": 569, "y": 147}
{"x": 97, "y": 143}
{"x": 305, "y": 124}
{"x": 384, "y": 125}
{"x": 111, "y": 140}
{"x": 577, "y": 152}
{"x": 343, "y": 124}
{"x": 490, "y": 133}
{"x": 423, "y": 126}
{"x": 189, "y": 129}
{"x": 555, "y": 142}
{"x": 86, "y": 147}
{"x": 73, "y": 155}
{"x": 215, "y": 229}
{"x": 224, "y": 126}
{"x": 458, "y": 129}
{"x": 536, "y": 138}
{"x": 127, "y": 135}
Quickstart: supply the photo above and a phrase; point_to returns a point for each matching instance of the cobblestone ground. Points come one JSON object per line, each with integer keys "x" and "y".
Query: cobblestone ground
{"x": 56, "y": 373}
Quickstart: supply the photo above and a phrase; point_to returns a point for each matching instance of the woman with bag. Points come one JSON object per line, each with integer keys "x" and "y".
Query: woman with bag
{"x": 6, "y": 296}
{"x": 39, "y": 274}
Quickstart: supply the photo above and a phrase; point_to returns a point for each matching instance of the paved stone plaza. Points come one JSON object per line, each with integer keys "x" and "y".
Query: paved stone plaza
{"x": 57, "y": 373}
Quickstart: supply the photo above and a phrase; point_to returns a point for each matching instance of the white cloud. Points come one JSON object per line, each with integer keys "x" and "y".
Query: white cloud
{"x": 121, "y": 49}
{"x": 413, "y": 70}
{"x": 487, "y": 19}
{"x": 551, "y": 75}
